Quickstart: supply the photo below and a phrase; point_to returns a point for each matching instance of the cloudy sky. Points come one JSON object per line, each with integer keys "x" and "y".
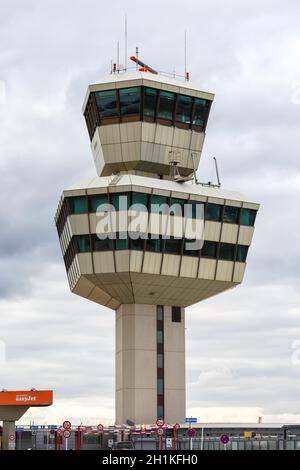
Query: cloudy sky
{"x": 242, "y": 347}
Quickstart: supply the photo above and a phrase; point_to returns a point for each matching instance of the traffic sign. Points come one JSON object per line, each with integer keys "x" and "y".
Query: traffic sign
{"x": 191, "y": 420}
{"x": 176, "y": 426}
{"x": 224, "y": 439}
{"x": 160, "y": 431}
{"x": 160, "y": 422}
{"x": 169, "y": 443}
{"x": 52, "y": 431}
{"x": 67, "y": 433}
{"x": 67, "y": 424}
{"x": 12, "y": 437}
{"x": 100, "y": 427}
{"x": 191, "y": 433}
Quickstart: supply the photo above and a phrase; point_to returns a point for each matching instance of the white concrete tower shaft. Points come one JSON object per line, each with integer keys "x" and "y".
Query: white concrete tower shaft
{"x": 150, "y": 364}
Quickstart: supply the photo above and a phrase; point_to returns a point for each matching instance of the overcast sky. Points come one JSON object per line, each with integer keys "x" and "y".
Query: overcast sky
{"x": 240, "y": 362}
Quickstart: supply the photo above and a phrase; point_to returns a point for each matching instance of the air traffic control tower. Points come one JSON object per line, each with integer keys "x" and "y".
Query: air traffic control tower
{"x": 125, "y": 250}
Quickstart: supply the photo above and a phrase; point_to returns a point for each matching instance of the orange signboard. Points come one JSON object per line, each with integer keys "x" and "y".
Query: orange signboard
{"x": 27, "y": 398}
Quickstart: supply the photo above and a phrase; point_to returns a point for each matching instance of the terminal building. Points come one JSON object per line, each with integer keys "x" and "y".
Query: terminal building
{"x": 144, "y": 238}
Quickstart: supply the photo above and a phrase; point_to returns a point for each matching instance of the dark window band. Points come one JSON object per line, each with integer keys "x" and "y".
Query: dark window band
{"x": 213, "y": 212}
{"x": 210, "y": 250}
{"x": 146, "y": 104}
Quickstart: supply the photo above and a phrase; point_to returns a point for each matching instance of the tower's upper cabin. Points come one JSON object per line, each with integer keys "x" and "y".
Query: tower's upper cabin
{"x": 139, "y": 121}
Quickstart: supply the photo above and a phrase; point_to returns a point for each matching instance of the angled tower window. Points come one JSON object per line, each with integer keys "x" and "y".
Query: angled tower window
{"x": 173, "y": 246}
{"x": 130, "y": 101}
{"x": 83, "y": 243}
{"x": 97, "y": 201}
{"x": 107, "y": 103}
{"x": 137, "y": 244}
{"x": 241, "y": 253}
{"x": 166, "y": 105}
{"x": 247, "y": 217}
{"x": 150, "y": 102}
{"x": 231, "y": 215}
{"x": 187, "y": 251}
{"x": 120, "y": 201}
{"x": 226, "y": 251}
{"x": 78, "y": 205}
{"x": 213, "y": 212}
{"x": 184, "y": 109}
{"x": 156, "y": 202}
{"x": 122, "y": 243}
{"x": 140, "y": 198}
{"x": 209, "y": 249}
{"x": 102, "y": 245}
{"x": 201, "y": 112}
{"x": 154, "y": 245}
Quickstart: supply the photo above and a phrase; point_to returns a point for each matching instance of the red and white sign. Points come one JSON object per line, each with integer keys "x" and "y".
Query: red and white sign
{"x": 176, "y": 426}
{"x": 67, "y": 424}
{"x": 100, "y": 427}
{"x": 12, "y": 437}
{"x": 67, "y": 433}
{"x": 159, "y": 431}
{"x": 160, "y": 422}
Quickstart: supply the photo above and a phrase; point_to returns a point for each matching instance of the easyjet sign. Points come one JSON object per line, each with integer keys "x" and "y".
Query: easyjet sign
{"x": 28, "y": 398}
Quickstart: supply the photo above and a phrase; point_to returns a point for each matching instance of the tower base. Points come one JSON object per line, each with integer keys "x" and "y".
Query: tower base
{"x": 150, "y": 364}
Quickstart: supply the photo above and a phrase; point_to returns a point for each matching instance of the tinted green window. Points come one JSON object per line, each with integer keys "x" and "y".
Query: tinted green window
{"x": 247, "y": 217}
{"x": 209, "y": 250}
{"x": 188, "y": 252}
{"x": 157, "y": 201}
{"x": 107, "y": 103}
{"x": 213, "y": 212}
{"x": 154, "y": 245}
{"x": 150, "y": 100}
{"x": 122, "y": 243}
{"x": 178, "y": 208}
{"x": 197, "y": 209}
{"x": 184, "y": 109}
{"x": 137, "y": 244}
{"x": 241, "y": 254}
{"x": 201, "y": 111}
{"x": 166, "y": 105}
{"x": 226, "y": 251}
{"x": 78, "y": 205}
{"x": 173, "y": 246}
{"x": 130, "y": 101}
{"x": 140, "y": 198}
{"x": 120, "y": 201}
{"x": 231, "y": 215}
{"x": 83, "y": 243}
{"x": 96, "y": 201}
{"x": 102, "y": 245}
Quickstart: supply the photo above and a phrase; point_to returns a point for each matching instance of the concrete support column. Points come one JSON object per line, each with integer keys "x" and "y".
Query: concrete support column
{"x": 9, "y": 435}
{"x": 137, "y": 368}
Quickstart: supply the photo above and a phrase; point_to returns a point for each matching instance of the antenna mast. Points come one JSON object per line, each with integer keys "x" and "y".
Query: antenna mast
{"x": 217, "y": 172}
